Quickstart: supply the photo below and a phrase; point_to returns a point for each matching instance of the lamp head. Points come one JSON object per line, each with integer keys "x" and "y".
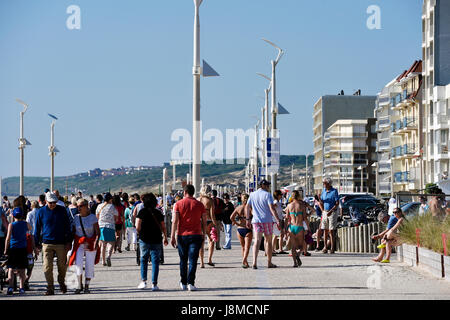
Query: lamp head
{"x": 280, "y": 51}
{"x": 25, "y": 106}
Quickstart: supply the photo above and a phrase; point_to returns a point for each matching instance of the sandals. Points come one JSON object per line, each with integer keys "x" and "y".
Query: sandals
{"x": 385, "y": 261}
{"x": 272, "y": 266}
{"x": 211, "y": 264}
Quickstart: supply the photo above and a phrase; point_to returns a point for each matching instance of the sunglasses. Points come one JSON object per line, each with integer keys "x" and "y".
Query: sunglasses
{"x": 52, "y": 203}
{"x": 82, "y": 205}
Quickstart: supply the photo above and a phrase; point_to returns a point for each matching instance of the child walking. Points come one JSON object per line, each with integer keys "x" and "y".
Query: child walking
{"x": 16, "y": 249}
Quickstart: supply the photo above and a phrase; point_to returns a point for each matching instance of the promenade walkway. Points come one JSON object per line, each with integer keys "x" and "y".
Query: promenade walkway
{"x": 322, "y": 276}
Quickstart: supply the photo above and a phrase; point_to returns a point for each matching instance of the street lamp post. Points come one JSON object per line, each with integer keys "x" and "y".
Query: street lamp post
{"x": 265, "y": 124}
{"x": 274, "y": 104}
{"x": 22, "y": 144}
{"x": 164, "y": 191}
{"x": 52, "y": 151}
{"x": 197, "y": 71}
{"x": 255, "y": 151}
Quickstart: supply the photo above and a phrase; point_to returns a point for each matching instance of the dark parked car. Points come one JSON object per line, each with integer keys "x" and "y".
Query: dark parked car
{"x": 358, "y": 203}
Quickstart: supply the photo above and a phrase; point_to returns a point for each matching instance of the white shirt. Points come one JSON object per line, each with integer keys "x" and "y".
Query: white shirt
{"x": 88, "y": 224}
{"x": 31, "y": 219}
{"x": 106, "y": 213}
{"x": 392, "y": 206}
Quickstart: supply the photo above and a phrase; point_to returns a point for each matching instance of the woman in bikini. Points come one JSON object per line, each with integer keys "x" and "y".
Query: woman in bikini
{"x": 210, "y": 223}
{"x": 295, "y": 215}
{"x": 245, "y": 235}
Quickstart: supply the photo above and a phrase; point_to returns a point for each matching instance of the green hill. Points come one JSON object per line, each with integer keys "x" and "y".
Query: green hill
{"x": 147, "y": 180}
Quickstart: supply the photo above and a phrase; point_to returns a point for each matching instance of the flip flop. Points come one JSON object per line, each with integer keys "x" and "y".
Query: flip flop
{"x": 272, "y": 266}
{"x": 385, "y": 261}
{"x": 381, "y": 246}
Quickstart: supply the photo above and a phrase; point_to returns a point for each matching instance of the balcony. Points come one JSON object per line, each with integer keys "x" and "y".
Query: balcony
{"x": 338, "y": 149}
{"x": 383, "y": 100}
{"x": 344, "y": 135}
{"x": 410, "y": 123}
{"x": 409, "y": 149}
{"x": 404, "y": 150}
{"x": 383, "y": 145}
{"x": 402, "y": 177}
{"x": 404, "y": 125}
{"x": 384, "y": 167}
{"x": 346, "y": 162}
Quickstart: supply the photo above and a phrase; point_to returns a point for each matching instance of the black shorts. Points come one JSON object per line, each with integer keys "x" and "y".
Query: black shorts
{"x": 17, "y": 258}
{"x": 119, "y": 227}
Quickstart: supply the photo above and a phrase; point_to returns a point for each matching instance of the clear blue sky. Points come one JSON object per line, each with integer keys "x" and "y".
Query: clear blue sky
{"x": 123, "y": 83}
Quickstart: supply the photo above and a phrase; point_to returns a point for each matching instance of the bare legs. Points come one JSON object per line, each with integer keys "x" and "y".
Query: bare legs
{"x": 210, "y": 248}
{"x": 267, "y": 246}
{"x": 22, "y": 277}
{"x": 297, "y": 243}
{"x": 104, "y": 248}
{"x": 245, "y": 245}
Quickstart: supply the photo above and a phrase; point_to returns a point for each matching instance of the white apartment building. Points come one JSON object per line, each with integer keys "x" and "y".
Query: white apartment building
{"x": 406, "y": 142}
{"x": 382, "y": 113}
{"x": 349, "y": 148}
{"x": 436, "y": 89}
{"x": 327, "y": 110}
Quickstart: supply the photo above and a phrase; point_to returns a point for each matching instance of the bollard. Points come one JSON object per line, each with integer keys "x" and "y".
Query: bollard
{"x": 361, "y": 239}
{"x": 349, "y": 239}
{"x": 376, "y": 230}
{"x": 344, "y": 234}
{"x": 365, "y": 238}
{"x": 370, "y": 231}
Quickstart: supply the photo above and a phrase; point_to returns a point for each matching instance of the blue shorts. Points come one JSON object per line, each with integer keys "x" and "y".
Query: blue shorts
{"x": 107, "y": 234}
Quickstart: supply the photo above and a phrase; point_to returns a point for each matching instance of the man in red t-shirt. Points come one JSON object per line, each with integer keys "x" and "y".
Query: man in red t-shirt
{"x": 188, "y": 234}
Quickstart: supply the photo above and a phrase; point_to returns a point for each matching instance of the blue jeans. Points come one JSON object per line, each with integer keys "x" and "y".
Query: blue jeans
{"x": 228, "y": 229}
{"x": 153, "y": 251}
{"x": 188, "y": 250}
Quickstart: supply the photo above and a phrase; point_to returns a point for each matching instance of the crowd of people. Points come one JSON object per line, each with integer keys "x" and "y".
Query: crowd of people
{"x": 84, "y": 232}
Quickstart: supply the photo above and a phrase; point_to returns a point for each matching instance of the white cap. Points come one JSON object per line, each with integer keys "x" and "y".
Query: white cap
{"x": 51, "y": 197}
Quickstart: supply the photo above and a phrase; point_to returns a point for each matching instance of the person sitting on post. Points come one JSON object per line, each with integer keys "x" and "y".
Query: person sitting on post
{"x": 389, "y": 236}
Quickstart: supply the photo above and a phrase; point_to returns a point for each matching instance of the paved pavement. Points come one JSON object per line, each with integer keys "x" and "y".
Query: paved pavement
{"x": 338, "y": 276}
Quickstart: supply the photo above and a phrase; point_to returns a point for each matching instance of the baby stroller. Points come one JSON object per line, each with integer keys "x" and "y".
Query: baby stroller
{"x": 4, "y": 276}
